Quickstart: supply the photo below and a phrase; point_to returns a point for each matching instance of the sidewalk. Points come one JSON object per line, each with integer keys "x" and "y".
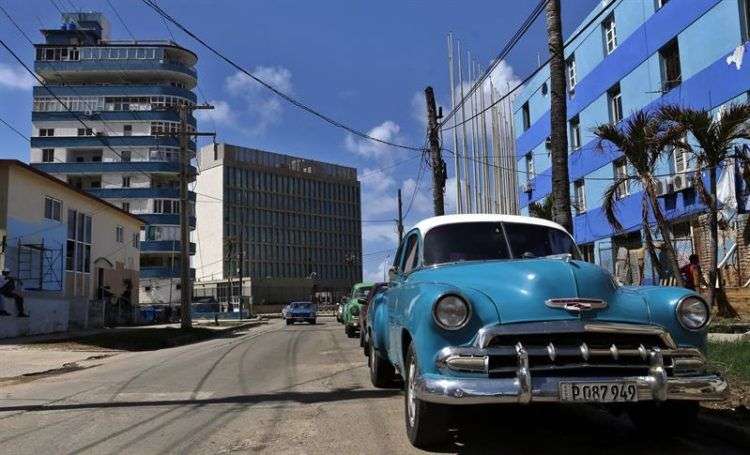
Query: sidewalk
{"x": 37, "y": 354}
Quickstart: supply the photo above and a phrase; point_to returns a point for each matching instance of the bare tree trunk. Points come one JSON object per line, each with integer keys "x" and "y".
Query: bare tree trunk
{"x": 715, "y": 296}
{"x": 665, "y": 230}
{"x": 650, "y": 240}
{"x": 558, "y": 117}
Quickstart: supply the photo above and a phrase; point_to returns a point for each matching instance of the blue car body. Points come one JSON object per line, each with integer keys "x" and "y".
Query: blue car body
{"x": 300, "y": 312}
{"x": 493, "y": 357}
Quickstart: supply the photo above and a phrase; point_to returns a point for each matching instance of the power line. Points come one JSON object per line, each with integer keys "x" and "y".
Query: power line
{"x": 293, "y": 101}
{"x": 117, "y": 13}
{"x": 12, "y": 128}
{"x": 56, "y": 7}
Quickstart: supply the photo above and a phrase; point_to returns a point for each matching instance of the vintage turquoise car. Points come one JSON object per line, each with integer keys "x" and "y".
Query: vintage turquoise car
{"x": 350, "y": 311}
{"x": 486, "y": 309}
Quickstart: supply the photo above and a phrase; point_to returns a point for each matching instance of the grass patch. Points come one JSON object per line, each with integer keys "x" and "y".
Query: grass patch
{"x": 732, "y": 359}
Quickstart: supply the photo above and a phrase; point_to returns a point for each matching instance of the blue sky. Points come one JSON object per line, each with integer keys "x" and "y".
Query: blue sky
{"x": 364, "y": 63}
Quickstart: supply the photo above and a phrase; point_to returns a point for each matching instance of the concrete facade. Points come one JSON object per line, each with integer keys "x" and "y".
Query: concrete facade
{"x": 692, "y": 53}
{"x": 298, "y": 220}
{"x": 100, "y": 131}
{"x": 68, "y": 248}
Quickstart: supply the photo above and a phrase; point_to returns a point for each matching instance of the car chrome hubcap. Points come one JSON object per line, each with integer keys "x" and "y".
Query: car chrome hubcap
{"x": 411, "y": 400}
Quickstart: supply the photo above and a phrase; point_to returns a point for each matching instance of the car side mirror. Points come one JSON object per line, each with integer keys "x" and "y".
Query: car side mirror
{"x": 392, "y": 273}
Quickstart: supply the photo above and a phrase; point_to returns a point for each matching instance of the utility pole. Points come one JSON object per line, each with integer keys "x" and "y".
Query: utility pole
{"x": 438, "y": 165}
{"x": 186, "y": 287}
{"x": 241, "y": 265}
{"x": 400, "y": 218}
{"x": 559, "y": 119}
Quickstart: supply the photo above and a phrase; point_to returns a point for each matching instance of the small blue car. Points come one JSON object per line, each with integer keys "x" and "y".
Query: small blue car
{"x": 300, "y": 312}
{"x": 484, "y": 309}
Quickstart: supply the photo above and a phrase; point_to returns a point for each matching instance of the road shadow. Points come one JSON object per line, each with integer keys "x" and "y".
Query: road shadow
{"x": 557, "y": 429}
{"x": 277, "y": 397}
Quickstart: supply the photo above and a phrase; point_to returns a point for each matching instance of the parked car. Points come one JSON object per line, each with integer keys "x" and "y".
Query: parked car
{"x": 285, "y": 310}
{"x": 488, "y": 309}
{"x": 350, "y": 311}
{"x": 340, "y": 309}
{"x": 301, "y": 312}
{"x": 375, "y": 290}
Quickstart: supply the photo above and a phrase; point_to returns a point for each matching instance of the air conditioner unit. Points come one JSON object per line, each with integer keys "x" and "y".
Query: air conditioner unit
{"x": 528, "y": 187}
{"x": 88, "y": 112}
{"x": 682, "y": 182}
{"x": 663, "y": 186}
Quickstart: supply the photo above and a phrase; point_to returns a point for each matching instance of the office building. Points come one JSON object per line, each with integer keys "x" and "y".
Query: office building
{"x": 122, "y": 95}
{"x": 629, "y": 55}
{"x": 296, "y": 222}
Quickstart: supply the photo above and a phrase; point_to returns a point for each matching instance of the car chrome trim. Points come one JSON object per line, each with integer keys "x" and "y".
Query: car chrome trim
{"x": 459, "y": 391}
{"x": 576, "y": 304}
{"x": 485, "y": 334}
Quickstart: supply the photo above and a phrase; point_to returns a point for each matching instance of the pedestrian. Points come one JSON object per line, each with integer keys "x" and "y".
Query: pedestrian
{"x": 8, "y": 289}
{"x": 692, "y": 274}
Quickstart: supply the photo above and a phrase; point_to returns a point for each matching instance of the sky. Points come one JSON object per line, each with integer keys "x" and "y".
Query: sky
{"x": 363, "y": 63}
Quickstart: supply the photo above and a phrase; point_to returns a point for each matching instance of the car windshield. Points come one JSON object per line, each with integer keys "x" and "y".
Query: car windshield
{"x": 486, "y": 241}
{"x": 301, "y": 305}
{"x": 361, "y": 293}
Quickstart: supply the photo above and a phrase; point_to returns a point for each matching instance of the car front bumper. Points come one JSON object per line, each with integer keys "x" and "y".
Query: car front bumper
{"x": 460, "y": 391}
{"x": 298, "y": 317}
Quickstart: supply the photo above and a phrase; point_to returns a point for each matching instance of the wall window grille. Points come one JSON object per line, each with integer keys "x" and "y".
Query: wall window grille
{"x": 48, "y": 155}
{"x": 119, "y": 234}
{"x": 609, "y": 29}
{"x": 526, "y": 116}
{"x": 669, "y": 60}
{"x": 570, "y": 69}
{"x": 580, "y": 196}
{"x": 52, "y": 208}
{"x": 621, "y": 170}
{"x": 614, "y": 96}
{"x": 85, "y": 132}
{"x": 575, "y": 133}
{"x": 46, "y": 132}
{"x": 78, "y": 251}
{"x": 530, "y": 170}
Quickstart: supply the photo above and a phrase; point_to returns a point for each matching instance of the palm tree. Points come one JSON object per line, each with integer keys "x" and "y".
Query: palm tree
{"x": 558, "y": 118}
{"x": 542, "y": 209}
{"x": 714, "y": 138}
{"x": 641, "y": 139}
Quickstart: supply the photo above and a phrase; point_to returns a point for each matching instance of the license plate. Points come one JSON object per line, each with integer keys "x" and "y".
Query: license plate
{"x": 598, "y": 392}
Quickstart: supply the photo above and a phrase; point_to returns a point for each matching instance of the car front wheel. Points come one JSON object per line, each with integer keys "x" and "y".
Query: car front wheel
{"x": 426, "y": 423}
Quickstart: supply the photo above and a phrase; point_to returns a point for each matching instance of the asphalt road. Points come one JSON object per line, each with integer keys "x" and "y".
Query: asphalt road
{"x": 278, "y": 389}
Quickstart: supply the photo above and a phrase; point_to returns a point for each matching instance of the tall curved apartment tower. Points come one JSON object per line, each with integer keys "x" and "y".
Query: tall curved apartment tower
{"x": 122, "y": 94}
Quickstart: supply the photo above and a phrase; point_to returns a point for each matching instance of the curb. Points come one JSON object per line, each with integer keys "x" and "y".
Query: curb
{"x": 724, "y": 429}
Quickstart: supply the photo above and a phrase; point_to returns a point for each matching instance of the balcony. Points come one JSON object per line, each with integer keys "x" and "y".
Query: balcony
{"x": 139, "y": 193}
{"x": 164, "y": 246}
{"x": 107, "y": 116}
{"x": 102, "y": 71}
{"x": 106, "y": 141}
{"x": 163, "y": 272}
{"x": 99, "y": 167}
{"x": 164, "y": 218}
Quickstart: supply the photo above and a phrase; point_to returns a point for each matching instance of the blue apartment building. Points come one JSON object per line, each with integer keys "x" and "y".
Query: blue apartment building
{"x": 124, "y": 92}
{"x": 628, "y": 55}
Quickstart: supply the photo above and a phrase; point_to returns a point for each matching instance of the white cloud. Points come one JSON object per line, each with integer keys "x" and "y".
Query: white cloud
{"x": 451, "y": 204}
{"x": 15, "y": 77}
{"x": 221, "y": 113}
{"x": 419, "y": 110}
{"x": 263, "y": 107}
{"x": 366, "y": 148}
{"x": 377, "y": 267}
{"x": 418, "y": 201}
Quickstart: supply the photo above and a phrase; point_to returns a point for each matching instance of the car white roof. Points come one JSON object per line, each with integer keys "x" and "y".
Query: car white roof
{"x": 425, "y": 225}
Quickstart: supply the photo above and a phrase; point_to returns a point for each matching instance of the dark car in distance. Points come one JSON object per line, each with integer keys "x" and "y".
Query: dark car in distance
{"x": 376, "y": 289}
{"x": 301, "y": 312}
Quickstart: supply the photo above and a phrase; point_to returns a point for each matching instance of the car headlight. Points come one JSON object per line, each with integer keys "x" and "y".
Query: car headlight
{"x": 693, "y": 313}
{"x": 451, "y": 312}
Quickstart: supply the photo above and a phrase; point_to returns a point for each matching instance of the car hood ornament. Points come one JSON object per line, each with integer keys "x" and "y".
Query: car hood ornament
{"x": 576, "y": 304}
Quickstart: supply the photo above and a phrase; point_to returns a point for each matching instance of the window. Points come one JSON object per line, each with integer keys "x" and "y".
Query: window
{"x": 411, "y": 258}
{"x": 614, "y": 97}
{"x": 135, "y": 240}
{"x": 166, "y": 206}
{"x": 580, "y": 196}
{"x": 46, "y": 132}
{"x": 570, "y": 69}
{"x": 127, "y": 130}
{"x": 125, "y": 156}
{"x": 126, "y": 206}
{"x": 575, "y": 133}
{"x": 52, "y": 209}
{"x": 78, "y": 246}
{"x": 669, "y": 60}
{"x": 530, "y": 170}
{"x": 119, "y": 234}
{"x": 609, "y": 29}
{"x": 621, "y": 170}
{"x": 526, "y": 114}
{"x": 126, "y": 181}
{"x": 48, "y": 155}
{"x": 681, "y": 160}
{"x": 85, "y": 132}
{"x": 659, "y": 4}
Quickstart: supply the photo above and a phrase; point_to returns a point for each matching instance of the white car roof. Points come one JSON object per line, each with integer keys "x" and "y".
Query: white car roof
{"x": 425, "y": 225}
